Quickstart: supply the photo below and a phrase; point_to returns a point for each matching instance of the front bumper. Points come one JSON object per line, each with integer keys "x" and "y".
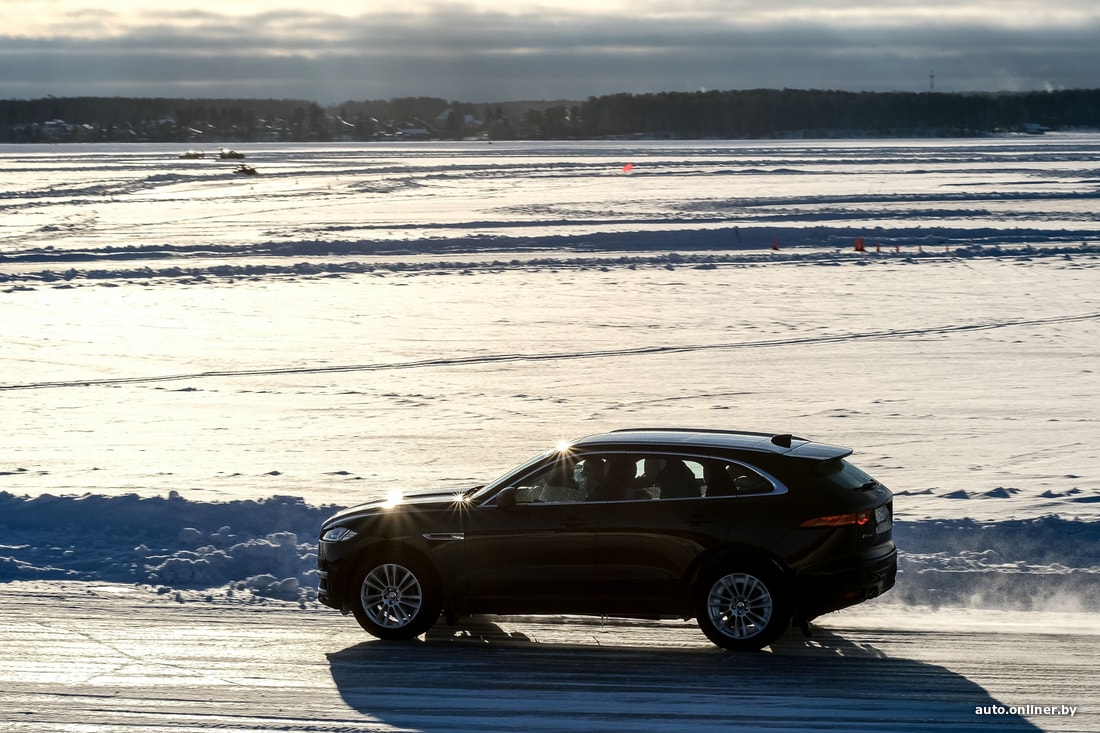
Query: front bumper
{"x": 323, "y": 590}
{"x": 332, "y": 575}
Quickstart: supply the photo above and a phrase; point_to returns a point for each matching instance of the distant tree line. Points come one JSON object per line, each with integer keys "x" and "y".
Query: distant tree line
{"x": 119, "y": 119}
{"x": 811, "y": 113}
{"x": 759, "y": 113}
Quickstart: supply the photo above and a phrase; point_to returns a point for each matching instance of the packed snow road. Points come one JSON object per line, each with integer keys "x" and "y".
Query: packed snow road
{"x": 94, "y": 657}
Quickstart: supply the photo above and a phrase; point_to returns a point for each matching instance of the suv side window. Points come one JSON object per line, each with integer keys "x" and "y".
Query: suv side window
{"x": 727, "y": 478}
{"x": 664, "y": 477}
{"x": 638, "y": 477}
{"x": 565, "y": 481}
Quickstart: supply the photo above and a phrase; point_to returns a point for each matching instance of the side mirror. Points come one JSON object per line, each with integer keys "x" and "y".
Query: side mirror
{"x": 506, "y": 498}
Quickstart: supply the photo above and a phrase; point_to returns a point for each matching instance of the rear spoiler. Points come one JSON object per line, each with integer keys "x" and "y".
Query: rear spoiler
{"x": 818, "y": 451}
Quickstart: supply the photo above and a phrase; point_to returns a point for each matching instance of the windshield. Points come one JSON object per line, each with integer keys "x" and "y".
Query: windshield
{"x": 481, "y": 492}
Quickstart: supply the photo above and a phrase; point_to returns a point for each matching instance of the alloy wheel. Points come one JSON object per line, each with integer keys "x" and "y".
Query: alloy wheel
{"x": 740, "y": 605}
{"x": 392, "y": 596}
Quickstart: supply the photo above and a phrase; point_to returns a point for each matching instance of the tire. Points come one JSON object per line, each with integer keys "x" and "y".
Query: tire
{"x": 742, "y": 609}
{"x": 397, "y": 598}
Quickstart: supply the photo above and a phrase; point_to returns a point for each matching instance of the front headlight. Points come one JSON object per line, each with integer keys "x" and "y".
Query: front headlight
{"x": 338, "y": 534}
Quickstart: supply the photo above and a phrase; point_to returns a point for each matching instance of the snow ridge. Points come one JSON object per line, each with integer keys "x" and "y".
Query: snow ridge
{"x": 669, "y": 249}
{"x": 167, "y": 542}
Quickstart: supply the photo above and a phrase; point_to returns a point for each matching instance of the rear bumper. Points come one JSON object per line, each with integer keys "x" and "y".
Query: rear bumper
{"x": 842, "y": 587}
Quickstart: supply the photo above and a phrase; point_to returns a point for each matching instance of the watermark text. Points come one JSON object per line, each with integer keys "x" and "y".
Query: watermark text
{"x": 1069, "y": 710}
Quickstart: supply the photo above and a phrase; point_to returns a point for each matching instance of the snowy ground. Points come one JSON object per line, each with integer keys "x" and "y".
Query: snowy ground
{"x": 198, "y": 366}
{"x": 80, "y": 657}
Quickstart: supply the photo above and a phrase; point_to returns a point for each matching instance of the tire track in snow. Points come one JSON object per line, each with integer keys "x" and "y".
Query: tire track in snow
{"x": 485, "y": 359}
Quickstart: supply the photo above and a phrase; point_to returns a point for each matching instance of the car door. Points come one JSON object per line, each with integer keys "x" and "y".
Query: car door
{"x": 531, "y": 548}
{"x": 649, "y": 538}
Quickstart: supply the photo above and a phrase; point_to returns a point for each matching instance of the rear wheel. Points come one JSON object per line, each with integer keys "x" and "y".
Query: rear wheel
{"x": 742, "y": 609}
{"x": 397, "y": 598}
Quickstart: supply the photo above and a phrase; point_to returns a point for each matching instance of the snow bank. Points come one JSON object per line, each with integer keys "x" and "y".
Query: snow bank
{"x": 1042, "y": 564}
{"x": 268, "y": 547}
{"x": 264, "y": 546}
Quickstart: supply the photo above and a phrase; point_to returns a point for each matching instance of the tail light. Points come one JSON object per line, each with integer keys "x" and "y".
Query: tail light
{"x": 858, "y": 519}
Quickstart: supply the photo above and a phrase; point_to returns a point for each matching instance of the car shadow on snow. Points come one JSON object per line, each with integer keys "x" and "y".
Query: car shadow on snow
{"x": 480, "y": 676}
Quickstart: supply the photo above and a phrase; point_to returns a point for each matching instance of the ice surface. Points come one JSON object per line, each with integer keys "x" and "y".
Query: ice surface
{"x": 198, "y": 367}
{"x": 190, "y": 347}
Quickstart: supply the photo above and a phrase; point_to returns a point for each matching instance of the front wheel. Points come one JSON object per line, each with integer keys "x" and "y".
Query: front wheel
{"x": 742, "y": 610}
{"x": 397, "y": 599}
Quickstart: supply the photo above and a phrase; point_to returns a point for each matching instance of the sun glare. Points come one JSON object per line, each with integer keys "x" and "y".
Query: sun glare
{"x": 393, "y": 498}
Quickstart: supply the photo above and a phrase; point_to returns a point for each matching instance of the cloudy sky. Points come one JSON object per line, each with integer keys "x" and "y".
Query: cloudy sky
{"x": 488, "y": 51}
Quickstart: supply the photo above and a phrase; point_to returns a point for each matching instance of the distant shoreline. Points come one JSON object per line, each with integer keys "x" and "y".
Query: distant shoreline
{"x": 756, "y": 114}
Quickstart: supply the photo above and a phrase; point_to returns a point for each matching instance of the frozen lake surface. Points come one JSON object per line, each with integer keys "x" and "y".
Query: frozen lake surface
{"x": 198, "y": 365}
{"x": 110, "y": 659}
{"x": 359, "y": 318}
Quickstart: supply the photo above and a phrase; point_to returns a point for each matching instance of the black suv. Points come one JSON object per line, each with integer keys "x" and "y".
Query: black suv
{"x": 744, "y": 532}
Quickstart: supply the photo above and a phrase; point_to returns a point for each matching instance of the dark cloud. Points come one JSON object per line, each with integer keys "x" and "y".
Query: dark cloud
{"x": 482, "y": 56}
